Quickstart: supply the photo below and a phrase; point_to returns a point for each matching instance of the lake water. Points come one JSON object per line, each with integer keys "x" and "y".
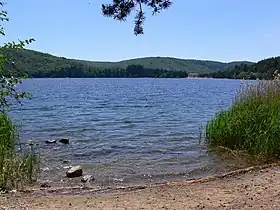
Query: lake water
{"x": 124, "y": 131}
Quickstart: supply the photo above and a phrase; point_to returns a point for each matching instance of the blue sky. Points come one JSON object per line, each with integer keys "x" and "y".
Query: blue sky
{"x": 222, "y": 30}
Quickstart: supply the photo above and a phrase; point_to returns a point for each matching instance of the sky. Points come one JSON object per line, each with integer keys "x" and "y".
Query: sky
{"x": 221, "y": 30}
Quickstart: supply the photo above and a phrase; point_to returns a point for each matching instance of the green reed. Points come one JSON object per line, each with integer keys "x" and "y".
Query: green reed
{"x": 252, "y": 124}
{"x": 16, "y": 168}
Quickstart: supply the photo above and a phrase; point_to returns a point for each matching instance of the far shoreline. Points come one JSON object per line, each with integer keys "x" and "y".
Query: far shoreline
{"x": 138, "y": 78}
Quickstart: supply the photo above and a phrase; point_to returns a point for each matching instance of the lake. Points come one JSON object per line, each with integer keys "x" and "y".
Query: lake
{"x": 124, "y": 131}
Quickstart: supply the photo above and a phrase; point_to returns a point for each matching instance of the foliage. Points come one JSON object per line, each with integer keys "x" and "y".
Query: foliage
{"x": 37, "y": 64}
{"x": 7, "y": 84}
{"x": 132, "y": 71}
{"x": 15, "y": 169}
{"x": 252, "y": 123}
{"x": 121, "y": 9}
{"x": 262, "y": 70}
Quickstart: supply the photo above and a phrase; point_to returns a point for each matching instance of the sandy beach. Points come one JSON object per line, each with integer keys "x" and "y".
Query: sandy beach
{"x": 252, "y": 188}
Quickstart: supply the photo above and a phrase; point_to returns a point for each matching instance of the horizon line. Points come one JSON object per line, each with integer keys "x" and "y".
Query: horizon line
{"x": 142, "y": 57}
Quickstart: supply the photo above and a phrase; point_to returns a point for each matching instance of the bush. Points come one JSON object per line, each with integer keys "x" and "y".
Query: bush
{"x": 252, "y": 123}
{"x": 16, "y": 168}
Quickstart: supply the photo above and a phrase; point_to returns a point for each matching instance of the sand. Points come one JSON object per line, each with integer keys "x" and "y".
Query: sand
{"x": 248, "y": 189}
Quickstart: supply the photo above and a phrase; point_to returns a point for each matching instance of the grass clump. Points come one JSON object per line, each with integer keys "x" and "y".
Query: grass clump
{"x": 17, "y": 167}
{"x": 252, "y": 124}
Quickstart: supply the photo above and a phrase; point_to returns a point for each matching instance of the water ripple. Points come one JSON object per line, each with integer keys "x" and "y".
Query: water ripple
{"x": 130, "y": 129}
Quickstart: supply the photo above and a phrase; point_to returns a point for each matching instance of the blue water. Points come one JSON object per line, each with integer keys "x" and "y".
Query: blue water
{"x": 126, "y": 130}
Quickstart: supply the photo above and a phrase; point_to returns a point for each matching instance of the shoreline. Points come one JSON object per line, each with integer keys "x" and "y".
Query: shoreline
{"x": 78, "y": 189}
{"x": 87, "y": 189}
{"x": 256, "y": 187}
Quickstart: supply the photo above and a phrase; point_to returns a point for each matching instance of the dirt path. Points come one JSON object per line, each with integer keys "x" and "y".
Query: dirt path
{"x": 258, "y": 189}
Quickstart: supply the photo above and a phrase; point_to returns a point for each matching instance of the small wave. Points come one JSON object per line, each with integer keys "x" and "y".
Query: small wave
{"x": 94, "y": 153}
{"x": 122, "y": 147}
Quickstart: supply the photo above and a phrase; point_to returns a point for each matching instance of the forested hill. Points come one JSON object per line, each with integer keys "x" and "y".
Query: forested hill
{"x": 263, "y": 69}
{"x": 171, "y": 64}
{"x": 37, "y": 64}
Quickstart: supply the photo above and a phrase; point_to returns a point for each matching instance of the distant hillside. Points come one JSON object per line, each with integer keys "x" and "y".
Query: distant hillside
{"x": 263, "y": 69}
{"x": 37, "y": 64}
{"x": 170, "y": 64}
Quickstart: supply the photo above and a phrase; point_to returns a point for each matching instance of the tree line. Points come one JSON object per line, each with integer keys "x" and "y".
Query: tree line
{"x": 263, "y": 69}
{"x": 82, "y": 71}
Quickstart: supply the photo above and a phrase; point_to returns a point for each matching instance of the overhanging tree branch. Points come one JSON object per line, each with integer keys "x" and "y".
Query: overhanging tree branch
{"x": 121, "y": 9}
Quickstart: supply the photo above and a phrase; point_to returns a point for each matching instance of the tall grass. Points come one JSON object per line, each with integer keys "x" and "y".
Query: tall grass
{"x": 16, "y": 167}
{"x": 252, "y": 124}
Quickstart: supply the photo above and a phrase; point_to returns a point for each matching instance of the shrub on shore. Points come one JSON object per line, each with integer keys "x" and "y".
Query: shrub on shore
{"x": 252, "y": 124}
{"x": 16, "y": 167}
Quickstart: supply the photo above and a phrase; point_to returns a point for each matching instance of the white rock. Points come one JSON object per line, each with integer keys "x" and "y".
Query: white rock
{"x": 87, "y": 178}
